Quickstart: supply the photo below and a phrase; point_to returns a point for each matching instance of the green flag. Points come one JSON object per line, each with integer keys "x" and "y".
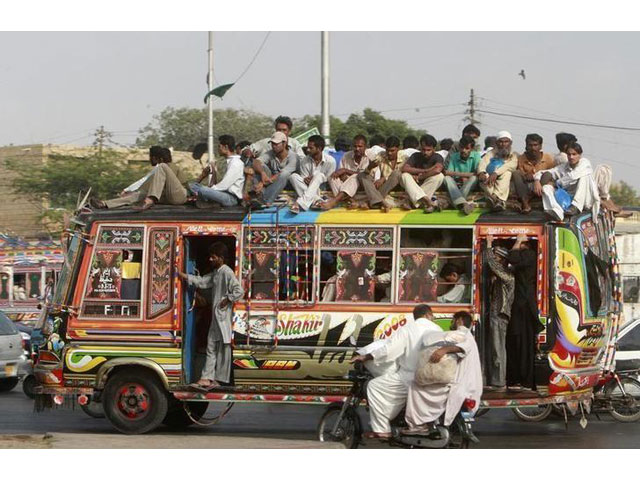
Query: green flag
{"x": 219, "y": 91}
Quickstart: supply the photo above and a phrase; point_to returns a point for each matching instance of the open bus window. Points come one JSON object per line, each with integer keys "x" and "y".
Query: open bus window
{"x": 435, "y": 265}
{"x": 279, "y": 266}
{"x": 596, "y": 255}
{"x": 631, "y": 288}
{"x": 20, "y": 287}
{"x": 356, "y": 276}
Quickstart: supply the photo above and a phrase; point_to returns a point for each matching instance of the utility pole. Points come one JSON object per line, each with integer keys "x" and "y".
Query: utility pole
{"x": 101, "y": 138}
{"x": 325, "y": 85}
{"x": 210, "y": 100}
{"x": 471, "y": 111}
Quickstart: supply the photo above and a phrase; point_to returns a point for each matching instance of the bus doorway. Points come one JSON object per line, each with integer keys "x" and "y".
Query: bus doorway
{"x": 197, "y": 312}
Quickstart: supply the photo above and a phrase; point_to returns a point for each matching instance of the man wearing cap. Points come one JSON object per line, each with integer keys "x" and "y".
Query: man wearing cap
{"x": 500, "y": 301}
{"x": 282, "y": 124}
{"x": 273, "y": 168}
{"x": 495, "y": 169}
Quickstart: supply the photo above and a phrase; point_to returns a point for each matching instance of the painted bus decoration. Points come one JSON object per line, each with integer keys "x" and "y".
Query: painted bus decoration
{"x": 317, "y": 286}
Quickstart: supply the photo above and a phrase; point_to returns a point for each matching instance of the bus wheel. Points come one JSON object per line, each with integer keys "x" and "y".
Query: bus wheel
{"x": 177, "y": 416}
{"x": 536, "y": 413}
{"x": 134, "y": 401}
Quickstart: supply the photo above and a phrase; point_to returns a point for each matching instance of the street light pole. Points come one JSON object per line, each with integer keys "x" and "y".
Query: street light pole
{"x": 325, "y": 85}
{"x": 210, "y": 99}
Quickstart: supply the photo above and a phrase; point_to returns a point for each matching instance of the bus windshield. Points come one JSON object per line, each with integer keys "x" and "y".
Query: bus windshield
{"x": 67, "y": 267}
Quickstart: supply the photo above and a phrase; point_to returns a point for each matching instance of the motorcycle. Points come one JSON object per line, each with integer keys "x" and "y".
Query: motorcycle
{"x": 341, "y": 422}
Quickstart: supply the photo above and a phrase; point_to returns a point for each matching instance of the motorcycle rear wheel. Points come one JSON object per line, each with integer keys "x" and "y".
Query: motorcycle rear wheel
{"x": 535, "y": 413}
{"x": 624, "y": 408}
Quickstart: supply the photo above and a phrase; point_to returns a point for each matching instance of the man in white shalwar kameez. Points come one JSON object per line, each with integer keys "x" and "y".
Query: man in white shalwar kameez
{"x": 425, "y": 404}
{"x": 387, "y": 394}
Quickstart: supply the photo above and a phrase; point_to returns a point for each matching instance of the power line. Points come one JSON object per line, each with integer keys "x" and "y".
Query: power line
{"x": 424, "y": 107}
{"x": 266, "y": 37}
{"x": 565, "y": 122}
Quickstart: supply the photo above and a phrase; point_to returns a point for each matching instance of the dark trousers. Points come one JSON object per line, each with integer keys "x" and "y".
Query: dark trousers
{"x": 523, "y": 188}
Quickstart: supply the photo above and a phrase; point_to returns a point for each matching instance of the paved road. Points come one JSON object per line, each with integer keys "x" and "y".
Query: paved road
{"x": 497, "y": 429}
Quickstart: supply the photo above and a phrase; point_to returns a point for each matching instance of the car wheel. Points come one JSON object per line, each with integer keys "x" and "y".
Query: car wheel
{"x": 135, "y": 401}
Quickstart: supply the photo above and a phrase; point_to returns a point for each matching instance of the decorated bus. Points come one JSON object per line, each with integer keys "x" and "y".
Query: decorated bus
{"x": 28, "y": 272}
{"x": 122, "y": 329}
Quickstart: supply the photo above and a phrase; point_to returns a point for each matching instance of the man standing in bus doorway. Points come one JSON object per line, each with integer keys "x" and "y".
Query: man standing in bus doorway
{"x": 524, "y": 324}
{"x": 225, "y": 289}
{"x": 501, "y": 301}
{"x": 387, "y": 394}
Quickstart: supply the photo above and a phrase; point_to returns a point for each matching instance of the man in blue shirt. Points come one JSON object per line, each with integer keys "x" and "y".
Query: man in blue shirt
{"x": 460, "y": 174}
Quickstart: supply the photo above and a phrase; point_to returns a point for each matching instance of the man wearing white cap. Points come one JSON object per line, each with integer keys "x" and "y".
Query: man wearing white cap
{"x": 495, "y": 169}
{"x": 274, "y": 167}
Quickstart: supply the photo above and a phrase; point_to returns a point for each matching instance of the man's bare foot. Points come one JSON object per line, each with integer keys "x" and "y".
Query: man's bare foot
{"x": 384, "y": 207}
{"x": 147, "y": 203}
{"x": 95, "y": 203}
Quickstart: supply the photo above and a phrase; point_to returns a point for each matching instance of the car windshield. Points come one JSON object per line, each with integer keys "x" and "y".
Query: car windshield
{"x": 65, "y": 275}
{"x": 6, "y": 326}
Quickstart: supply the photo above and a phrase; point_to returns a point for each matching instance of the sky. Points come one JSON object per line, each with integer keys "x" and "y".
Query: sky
{"x": 58, "y": 87}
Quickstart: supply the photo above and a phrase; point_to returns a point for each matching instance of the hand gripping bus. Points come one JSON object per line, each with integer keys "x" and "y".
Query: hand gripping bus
{"x": 124, "y": 331}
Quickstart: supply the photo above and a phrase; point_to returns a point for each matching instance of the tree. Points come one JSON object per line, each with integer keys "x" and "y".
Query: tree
{"x": 624, "y": 194}
{"x": 368, "y": 123}
{"x": 183, "y": 128}
{"x": 61, "y": 177}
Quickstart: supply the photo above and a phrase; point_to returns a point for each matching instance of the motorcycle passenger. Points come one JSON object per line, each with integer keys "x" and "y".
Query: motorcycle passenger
{"x": 426, "y": 403}
{"x": 387, "y": 394}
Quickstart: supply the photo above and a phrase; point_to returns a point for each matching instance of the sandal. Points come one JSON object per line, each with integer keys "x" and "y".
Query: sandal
{"x": 363, "y": 206}
{"x": 352, "y": 205}
{"x": 146, "y": 205}
{"x": 294, "y": 208}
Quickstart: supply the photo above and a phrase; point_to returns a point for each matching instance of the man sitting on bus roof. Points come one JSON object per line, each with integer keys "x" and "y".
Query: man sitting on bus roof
{"x": 422, "y": 175}
{"x": 274, "y": 168}
{"x": 313, "y": 170}
{"x": 529, "y": 163}
{"x": 344, "y": 181}
{"x": 164, "y": 184}
{"x": 282, "y": 124}
{"x": 495, "y": 169}
{"x": 460, "y": 174}
{"x": 228, "y": 191}
{"x": 387, "y": 394}
{"x": 388, "y": 171}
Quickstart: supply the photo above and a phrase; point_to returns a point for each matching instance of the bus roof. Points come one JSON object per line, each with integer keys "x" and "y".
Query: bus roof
{"x": 269, "y": 216}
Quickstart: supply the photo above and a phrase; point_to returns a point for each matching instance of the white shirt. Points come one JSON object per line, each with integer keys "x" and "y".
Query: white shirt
{"x": 233, "y": 179}
{"x": 405, "y": 345}
{"x": 564, "y": 175}
{"x": 307, "y": 167}
{"x": 458, "y": 293}
{"x": 374, "y": 151}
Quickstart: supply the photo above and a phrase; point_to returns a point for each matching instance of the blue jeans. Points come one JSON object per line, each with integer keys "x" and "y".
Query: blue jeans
{"x": 225, "y": 199}
{"x": 459, "y": 194}
{"x": 272, "y": 191}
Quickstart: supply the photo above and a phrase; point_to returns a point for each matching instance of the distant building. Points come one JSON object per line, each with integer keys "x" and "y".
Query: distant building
{"x": 628, "y": 242}
{"x": 21, "y": 216}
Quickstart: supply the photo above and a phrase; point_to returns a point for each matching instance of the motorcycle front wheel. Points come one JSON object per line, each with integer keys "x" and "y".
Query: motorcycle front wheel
{"x": 346, "y": 430}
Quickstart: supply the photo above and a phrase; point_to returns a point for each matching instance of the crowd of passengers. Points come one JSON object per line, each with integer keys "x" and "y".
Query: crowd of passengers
{"x": 256, "y": 174}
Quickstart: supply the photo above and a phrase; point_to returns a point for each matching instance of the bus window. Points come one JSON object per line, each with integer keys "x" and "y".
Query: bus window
{"x": 435, "y": 265}
{"x": 631, "y": 287}
{"x": 282, "y": 268}
{"x": 20, "y": 287}
{"x": 356, "y": 264}
{"x": 4, "y": 286}
{"x": 596, "y": 258}
{"x": 113, "y": 288}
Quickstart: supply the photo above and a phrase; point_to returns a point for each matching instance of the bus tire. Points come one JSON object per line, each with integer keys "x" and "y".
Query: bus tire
{"x": 349, "y": 431}
{"x": 134, "y": 401}
{"x": 177, "y": 416}
{"x": 533, "y": 414}
{"x": 624, "y": 409}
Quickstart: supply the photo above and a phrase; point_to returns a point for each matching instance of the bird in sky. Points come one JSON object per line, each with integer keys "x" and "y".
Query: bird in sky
{"x": 524, "y": 77}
